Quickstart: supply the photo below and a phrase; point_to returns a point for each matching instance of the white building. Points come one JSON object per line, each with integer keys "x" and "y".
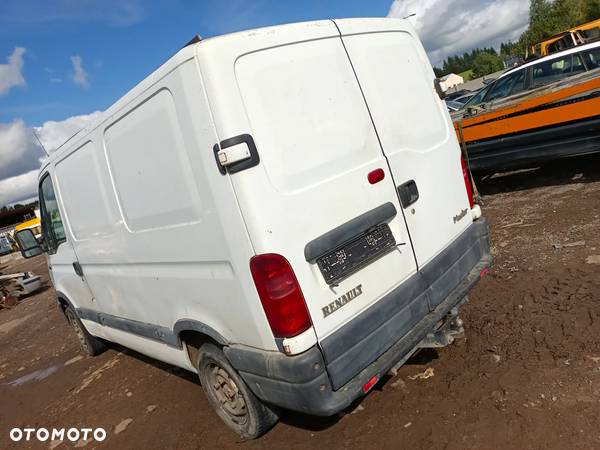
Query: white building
{"x": 451, "y": 80}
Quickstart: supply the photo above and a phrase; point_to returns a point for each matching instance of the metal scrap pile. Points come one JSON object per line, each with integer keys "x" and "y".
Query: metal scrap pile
{"x": 15, "y": 285}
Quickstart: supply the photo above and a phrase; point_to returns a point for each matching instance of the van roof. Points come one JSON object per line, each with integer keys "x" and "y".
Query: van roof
{"x": 184, "y": 54}
{"x": 187, "y": 52}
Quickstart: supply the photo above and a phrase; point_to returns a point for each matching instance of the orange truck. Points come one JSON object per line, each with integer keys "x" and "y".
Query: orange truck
{"x": 578, "y": 35}
{"x": 546, "y": 109}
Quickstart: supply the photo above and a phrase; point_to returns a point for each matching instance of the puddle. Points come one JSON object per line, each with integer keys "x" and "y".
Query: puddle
{"x": 38, "y": 375}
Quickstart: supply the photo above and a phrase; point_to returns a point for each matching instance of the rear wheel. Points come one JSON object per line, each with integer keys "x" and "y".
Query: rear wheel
{"x": 91, "y": 345}
{"x": 230, "y": 397}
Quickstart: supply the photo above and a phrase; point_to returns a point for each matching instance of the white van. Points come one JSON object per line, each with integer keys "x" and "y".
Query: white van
{"x": 282, "y": 211}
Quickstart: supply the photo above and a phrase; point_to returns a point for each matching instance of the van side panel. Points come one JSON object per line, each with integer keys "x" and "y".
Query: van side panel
{"x": 153, "y": 348}
{"x": 171, "y": 244}
{"x": 88, "y": 210}
{"x": 150, "y": 168}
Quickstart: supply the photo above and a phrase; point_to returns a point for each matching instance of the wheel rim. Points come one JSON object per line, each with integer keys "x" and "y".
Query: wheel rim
{"x": 227, "y": 394}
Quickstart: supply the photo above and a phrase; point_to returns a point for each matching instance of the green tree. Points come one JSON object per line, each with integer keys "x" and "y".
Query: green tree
{"x": 542, "y": 22}
{"x": 461, "y": 63}
{"x": 486, "y": 63}
{"x": 546, "y": 18}
{"x": 569, "y": 13}
{"x": 592, "y": 10}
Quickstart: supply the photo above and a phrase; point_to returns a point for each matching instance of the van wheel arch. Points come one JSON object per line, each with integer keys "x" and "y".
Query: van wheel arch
{"x": 193, "y": 334}
{"x": 64, "y": 303}
{"x": 192, "y": 340}
{"x": 90, "y": 345}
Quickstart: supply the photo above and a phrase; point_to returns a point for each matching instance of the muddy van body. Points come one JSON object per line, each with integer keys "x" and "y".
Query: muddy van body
{"x": 281, "y": 210}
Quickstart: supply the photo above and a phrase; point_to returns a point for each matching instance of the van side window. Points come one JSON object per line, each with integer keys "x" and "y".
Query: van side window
{"x": 556, "y": 69}
{"x": 52, "y": 224}
{"x": 592, "y": 58}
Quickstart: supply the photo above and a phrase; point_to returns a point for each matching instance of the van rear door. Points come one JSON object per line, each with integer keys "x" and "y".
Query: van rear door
{"x": 316, "y": 196}
{"x": 414, "y": 129}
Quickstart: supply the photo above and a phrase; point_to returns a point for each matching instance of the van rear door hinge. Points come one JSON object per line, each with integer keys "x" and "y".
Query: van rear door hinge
{"x": 236, "y": 154}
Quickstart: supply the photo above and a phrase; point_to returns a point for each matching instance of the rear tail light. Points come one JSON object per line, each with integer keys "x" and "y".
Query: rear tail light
{"x": 376, "y": 176}
{"x": 369, "y": 384}
{"x": 280, "y": 295}
{"x": 467, "y": 179}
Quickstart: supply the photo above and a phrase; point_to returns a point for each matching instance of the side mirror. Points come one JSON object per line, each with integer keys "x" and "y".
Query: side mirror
{"x": 439, "y": 89}
{"x": 28, "y": 244}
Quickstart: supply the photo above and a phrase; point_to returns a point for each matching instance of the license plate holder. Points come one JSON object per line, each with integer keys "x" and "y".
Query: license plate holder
{"x": 356, "y": 254}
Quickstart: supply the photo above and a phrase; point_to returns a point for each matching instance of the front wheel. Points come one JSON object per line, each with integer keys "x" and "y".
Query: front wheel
{"x": 91, "y": 345}
{"x": 230, "y": 397}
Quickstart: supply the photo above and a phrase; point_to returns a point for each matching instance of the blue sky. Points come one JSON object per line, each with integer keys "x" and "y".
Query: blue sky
{"x": 64, "y": 61}
{"x": 120, "y": 42}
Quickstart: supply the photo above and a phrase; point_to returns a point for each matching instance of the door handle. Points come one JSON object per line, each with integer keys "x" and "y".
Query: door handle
{"x": 77, "y": 268}
{"x": 408, "y": 193}
{"x": 242, "y": 159}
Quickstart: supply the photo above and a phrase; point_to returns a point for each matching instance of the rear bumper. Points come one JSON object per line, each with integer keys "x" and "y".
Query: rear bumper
{"x": 323, "y": 381}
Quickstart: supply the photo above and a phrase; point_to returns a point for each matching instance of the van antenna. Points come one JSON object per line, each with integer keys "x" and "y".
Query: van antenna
{"x": 192, "y": 41}
{"x": 40, "y": 142}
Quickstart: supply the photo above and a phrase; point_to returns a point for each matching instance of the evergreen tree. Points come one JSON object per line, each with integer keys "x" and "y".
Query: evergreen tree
{"x": 486, "y": 63}
{"x": 592, "y": 10}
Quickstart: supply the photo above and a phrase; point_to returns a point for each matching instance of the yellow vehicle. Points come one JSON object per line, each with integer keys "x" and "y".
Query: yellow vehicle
{"x": 578, "y": 35}
{"x": 34, "y": 224}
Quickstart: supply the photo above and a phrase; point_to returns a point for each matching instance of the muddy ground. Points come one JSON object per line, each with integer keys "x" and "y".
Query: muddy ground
{"x": 527, "y": 374}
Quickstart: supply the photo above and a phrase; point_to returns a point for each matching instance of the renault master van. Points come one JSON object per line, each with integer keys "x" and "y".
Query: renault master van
{"x": 283, "y": 211}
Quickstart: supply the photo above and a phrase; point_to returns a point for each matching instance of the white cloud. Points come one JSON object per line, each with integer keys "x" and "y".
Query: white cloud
{"x": 19, "y": 151}
{"x": 18, "y": 188}
{"x": 21, "y": 155}
{"x": 11, "y": 72}
{"x": 450, "y": 27}
{"x": 79, "y": 76}
{"x": 55, "y": 133}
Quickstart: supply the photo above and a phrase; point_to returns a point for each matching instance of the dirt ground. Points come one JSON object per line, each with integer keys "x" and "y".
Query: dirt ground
{"x": 526, "y": 376}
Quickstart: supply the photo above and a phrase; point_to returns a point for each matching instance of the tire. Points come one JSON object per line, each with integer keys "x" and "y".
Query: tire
{"x": 90, "y": 345}
{"x": 230, "y": 397}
